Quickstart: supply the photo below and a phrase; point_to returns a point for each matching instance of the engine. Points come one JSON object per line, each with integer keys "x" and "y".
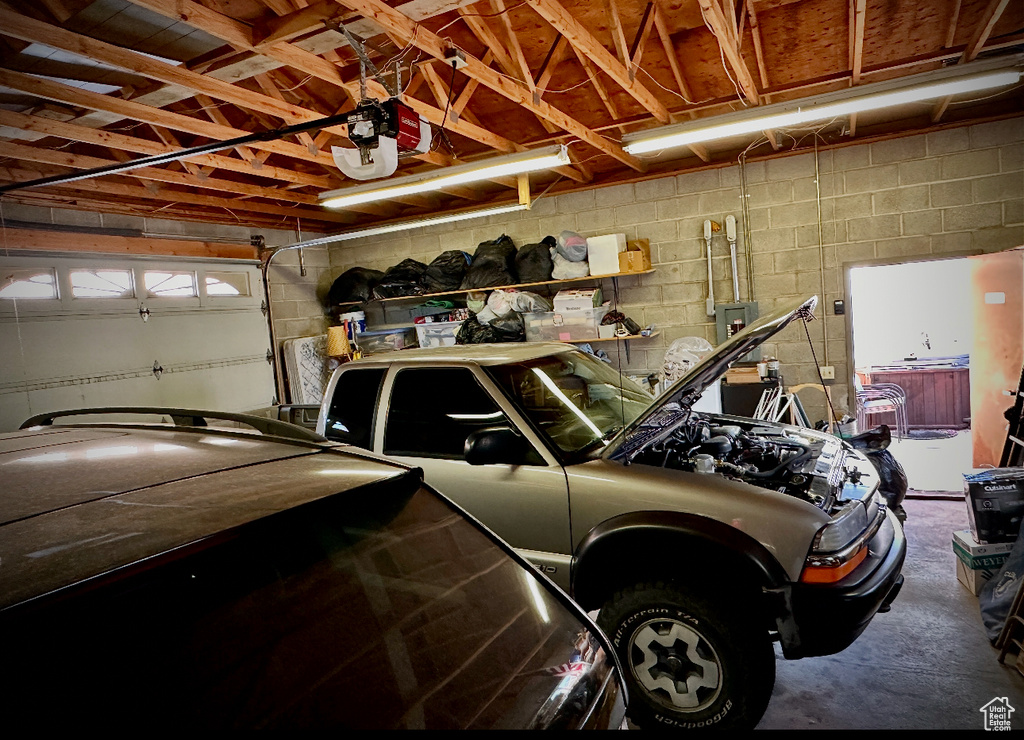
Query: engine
{"x": 778, "y": 458}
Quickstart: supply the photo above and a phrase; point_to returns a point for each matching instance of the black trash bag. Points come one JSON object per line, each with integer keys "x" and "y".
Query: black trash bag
{"x": 494, "y": 264}
{"x": 997, "y": 595}
{"x": 892, "y": 479}
{"x": 506, "y": 329}
{"x": 354, "y": 286}
{"x": 533, "y": 261}
{"x": 405, "y": 278}
{"x": 446, "y": 271}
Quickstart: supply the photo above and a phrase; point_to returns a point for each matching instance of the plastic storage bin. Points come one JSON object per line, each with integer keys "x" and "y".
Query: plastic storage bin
{"x": 574, "y": 326}
{"x": 374, "y": 342}
{"x": 438, "y": 334}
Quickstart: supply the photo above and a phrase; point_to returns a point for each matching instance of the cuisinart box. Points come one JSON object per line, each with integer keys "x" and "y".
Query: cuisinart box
{"x": 977, "y": 563}
{"x": 577, "y": 299}
{"x": 995, "y": 503}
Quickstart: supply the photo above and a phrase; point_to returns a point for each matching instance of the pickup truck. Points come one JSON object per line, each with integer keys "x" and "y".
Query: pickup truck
{"x": 698, "y": 538}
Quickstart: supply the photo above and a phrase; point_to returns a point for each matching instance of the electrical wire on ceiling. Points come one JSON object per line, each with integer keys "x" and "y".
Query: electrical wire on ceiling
{"x": 721, "y": 54}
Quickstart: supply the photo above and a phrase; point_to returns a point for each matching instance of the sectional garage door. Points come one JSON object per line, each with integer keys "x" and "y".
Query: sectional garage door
{"x": 93, "y": 331}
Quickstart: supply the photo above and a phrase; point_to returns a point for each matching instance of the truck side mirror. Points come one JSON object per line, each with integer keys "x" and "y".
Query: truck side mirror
{"x": 496, "y": 446}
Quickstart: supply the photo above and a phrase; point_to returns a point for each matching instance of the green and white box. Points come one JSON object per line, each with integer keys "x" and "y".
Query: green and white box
{"x": 976, "y": 563}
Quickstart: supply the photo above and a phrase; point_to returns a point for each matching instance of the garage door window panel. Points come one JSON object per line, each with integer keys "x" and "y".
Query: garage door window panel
{"x": 433, "y": 410}
{"x": 29, "y": 284}
{"x": 87, "y": 283}
{"x": 161, "y": 283}
{"x": 350, "y": 416}
{"x": 227, "y": 284}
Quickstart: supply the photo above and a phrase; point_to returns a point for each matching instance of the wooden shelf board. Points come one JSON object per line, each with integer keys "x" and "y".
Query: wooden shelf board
{"x": 463, "y": 291}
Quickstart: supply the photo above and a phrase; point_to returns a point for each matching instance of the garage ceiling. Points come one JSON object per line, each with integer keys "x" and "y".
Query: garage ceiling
{"x": 88, "y": 83}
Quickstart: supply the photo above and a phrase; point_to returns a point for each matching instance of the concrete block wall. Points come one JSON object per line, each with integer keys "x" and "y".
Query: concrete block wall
{"x": 954, "y": 191}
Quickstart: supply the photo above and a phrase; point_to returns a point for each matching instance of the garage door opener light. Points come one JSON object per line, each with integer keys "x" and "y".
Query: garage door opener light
{"x": 827, "y": 106}
{"x": 513, "y": 164}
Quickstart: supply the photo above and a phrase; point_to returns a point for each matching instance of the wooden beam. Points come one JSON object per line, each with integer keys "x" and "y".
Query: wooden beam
{"x": 617, "y": 32}
{"x": 582, "y": 40}
{"x": 723, "y": 30}
{"x": 58, "y": 241}
{"x": 84, "y": 162}
{"x": 99, "y": 137}
{"x": 555, "y": 56}
{"x": 951, "y": 31}
{"x": 993, "y": 11}
{"x": 636, "y": 51}
{"x": 857, "y": 52}
{"x": 490, "y": 40}
{"x": 62, "y": 93}
{"x": 412, "y": 32}
{"x": 269, "y": 31}
{"x": 595, "y": 80}
{"x": 673, "y": 62}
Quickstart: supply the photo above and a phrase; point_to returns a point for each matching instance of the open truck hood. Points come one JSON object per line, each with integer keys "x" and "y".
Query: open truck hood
{"x": 655, "y": 423}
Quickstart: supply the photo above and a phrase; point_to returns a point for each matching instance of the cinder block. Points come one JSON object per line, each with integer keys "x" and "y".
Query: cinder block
{"x": 997, "y": 133}
{"x": 555, "y": 225}
{"x": 643, "y": 296}
{"x": 120, "y": 221}
{"x": 680, "y": 207}
{"x": 979, "y": 216}
{"x": 806, "y": 188}
{"x": 907, "y": 246}
{"x": 997, "y": 239}
{"x": 663, "y": 187}
{"x": 922, "y": 222}
{"x": 546, "y": 206}
{"x": 952, "y": 193}
{"x": 634, "y": 213}
{"x": 659, "y": 232}
{"x": 920, "y": 171}
{"x": 616, "y": 195}
{"x": 793, "y": 214}
{"x": 582, "y": 200}
{"x": 898, "y": 200}
{"x": 27, "y": 213}
{"x": 775, "y": 285}
{"x": 790, "y": 168}
{"x": 1008, "y": 187}
{"x": 1013, "y": 212}
{"x": 876, "y": 227}
{"x": 809, "y": 236}
{"x": 951, "y": 243}
{"x": 855, "y": 252}
{"x": 698, "y": 182}
{"x": 598, "y": 221}
{"x": 773, "y": 240}
{"x": 1011, "y": 158}
{"x": 852, "y": 206}
{"x": 850, "y": 158}
{"x": 795, "y": 260}
{"x": 809, "y": 283}
{"x": 970, "y": 164}
{"x": 871, "y": 179}
{"x": 686, "y": 249}
{"x": 682, "y": 293}
{"x": 948, "y": 141}
{"x": 901, "y": 149}
{"x": 718, "y": 203}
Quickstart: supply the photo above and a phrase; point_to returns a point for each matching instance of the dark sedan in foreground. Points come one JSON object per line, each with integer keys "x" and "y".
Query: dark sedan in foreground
{"x": 183, "y": 577}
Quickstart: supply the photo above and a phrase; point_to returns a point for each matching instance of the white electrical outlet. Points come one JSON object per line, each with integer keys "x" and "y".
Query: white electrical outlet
{"x": 828, "y": 372}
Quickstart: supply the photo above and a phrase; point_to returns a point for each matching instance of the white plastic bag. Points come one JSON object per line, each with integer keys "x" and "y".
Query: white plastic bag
{"x": 564, "y": 269}
{"x": 683, "y": 354}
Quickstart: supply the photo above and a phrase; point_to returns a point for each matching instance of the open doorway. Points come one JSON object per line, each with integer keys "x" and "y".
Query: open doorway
{"x": 913, "y": 332}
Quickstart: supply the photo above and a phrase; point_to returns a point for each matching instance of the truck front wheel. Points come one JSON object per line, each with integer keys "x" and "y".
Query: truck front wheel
{"x": 691, "y": 661}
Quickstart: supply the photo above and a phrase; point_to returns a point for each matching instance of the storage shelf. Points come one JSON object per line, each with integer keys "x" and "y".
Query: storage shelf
{"x": 612, "y": 339}
{"x": 463, "y": 291}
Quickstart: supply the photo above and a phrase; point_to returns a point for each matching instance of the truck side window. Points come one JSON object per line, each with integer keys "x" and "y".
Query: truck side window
{"x": 433, "y": 410}
{"x": 350, "y": 416}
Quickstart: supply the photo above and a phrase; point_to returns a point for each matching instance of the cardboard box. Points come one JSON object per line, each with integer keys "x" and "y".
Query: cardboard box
{"x": 637, "y": 256}
{"x": 977, "y": 562}
{"x": 995, "y": 503}
{"x": 578, "y": 299}
{"x": 603, "y": 253}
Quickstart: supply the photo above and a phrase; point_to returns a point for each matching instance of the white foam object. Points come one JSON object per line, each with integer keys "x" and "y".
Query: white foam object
{"x": 383, "y": 160}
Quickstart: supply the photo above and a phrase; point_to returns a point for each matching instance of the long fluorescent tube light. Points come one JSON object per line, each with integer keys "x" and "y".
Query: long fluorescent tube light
{"x": 827, "y": 106}
{"x": 513, "y": 164}
{"x": 404, "y": 225}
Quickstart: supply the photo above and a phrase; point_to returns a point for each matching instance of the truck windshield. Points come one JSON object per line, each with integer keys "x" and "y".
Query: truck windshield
{"x": 578, "y": 401}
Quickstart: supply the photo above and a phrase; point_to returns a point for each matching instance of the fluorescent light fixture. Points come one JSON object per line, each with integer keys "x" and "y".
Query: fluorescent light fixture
{"x": 833, "y": 105}
{"x": 513, "y": 164}
{"x": 404, "y": 225}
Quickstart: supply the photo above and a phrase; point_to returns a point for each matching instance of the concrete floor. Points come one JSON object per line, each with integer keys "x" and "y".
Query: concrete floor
{"x": 925, "y": 665}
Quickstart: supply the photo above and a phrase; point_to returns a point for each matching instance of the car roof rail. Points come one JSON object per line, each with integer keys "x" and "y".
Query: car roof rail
{"x": 188, "y": 418}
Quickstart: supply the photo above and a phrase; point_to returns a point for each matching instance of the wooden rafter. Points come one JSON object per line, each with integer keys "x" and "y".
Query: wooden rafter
{"x": 989, "y": 18}
{"x": 636, "y": 49}
{"x": 617, "y": 31}
{"x": 583, "y": 41}
{"x": 725, "y": 31}
{"x": 429, "y": 42}
{"x": 677, "y": 73}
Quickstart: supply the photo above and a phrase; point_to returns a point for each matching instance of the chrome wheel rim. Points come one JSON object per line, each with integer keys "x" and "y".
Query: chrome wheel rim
{"x": 676, "y": 665}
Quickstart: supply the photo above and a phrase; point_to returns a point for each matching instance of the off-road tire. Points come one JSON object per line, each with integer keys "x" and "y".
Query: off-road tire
{"x": 692, "y": 661}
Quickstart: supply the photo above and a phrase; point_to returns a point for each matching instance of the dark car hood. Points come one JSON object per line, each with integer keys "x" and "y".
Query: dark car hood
{"x": 681, "y": 394}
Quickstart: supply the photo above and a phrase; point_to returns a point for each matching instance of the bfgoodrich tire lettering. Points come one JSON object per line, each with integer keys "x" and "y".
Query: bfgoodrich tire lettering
{"x": 691, "y": 661}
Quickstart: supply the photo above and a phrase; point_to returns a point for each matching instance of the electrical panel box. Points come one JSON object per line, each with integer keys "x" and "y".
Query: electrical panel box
{"x": 734, "y": 317}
